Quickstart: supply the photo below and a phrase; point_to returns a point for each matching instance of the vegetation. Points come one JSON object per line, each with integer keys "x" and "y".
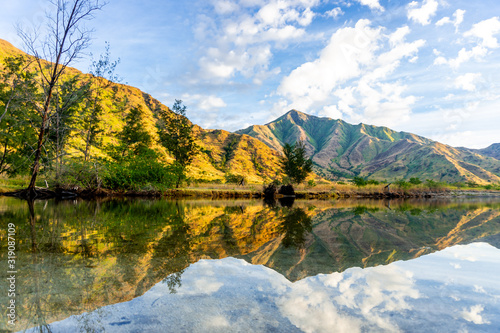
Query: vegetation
{"x": 294, "y": 162}
{"x": 176, "y": 134}
{"x": 66, "y": 40}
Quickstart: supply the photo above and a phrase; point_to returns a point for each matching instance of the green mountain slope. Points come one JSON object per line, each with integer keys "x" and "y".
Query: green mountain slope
{"x": 491, "y": 151}
{"x": 339, "y": 149}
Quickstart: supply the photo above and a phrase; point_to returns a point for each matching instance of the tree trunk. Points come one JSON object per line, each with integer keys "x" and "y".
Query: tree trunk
{"x": 36, "y": 162}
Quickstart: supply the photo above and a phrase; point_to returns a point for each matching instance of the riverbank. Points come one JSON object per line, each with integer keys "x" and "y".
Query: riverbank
{"x": 254, "y": 192}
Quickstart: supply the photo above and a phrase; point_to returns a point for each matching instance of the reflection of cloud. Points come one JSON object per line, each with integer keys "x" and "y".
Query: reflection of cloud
{"x": 474, "y": 315}
{"x": 311, "y": 310}
{"x": 232, "y": 295}
{"x": 321, "y": 304}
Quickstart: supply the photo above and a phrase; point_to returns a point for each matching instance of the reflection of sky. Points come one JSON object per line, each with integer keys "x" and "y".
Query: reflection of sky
{"x": 454, "y": 290}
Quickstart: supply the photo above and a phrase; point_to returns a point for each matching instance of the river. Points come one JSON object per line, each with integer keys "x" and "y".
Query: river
{"x": 137, "y": 265}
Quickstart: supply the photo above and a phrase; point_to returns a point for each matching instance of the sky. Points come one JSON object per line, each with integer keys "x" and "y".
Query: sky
{"x": 430, "y": 67}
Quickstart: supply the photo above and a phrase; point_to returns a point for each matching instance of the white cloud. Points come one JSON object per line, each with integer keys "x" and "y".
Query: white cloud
{"x": 468, "y": 81}
{"x": 353, "y": 58}
{"x": 349, "y": 49}
{"x": 334, "y": 13}
{"x": 423, "y": 13}
{"x": 225, "y": 6}
{"x": 464, "y": 55}
{"x": 242, "y": 42}
{"x": 205, "y": 102}
{"x": 458, "y": 19}
{"x": 486, "y": 30}
{"x": 373, "y": 4}
{"x": 330, "y": 111}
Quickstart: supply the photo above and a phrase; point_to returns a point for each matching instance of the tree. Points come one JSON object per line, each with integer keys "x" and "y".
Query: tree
{"x": 135, "y": 138}
{"x": 18, "y": 96}
{"x": 66, "y": 39}
{"x": 176, "y": 134}
{"x": 67, "y": 103}
{"x": 295, "y": 164}
{"x": 103, "y": 76}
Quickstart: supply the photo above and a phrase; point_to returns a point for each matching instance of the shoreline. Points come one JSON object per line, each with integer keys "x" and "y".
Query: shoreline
{"x": 257, "y": 194}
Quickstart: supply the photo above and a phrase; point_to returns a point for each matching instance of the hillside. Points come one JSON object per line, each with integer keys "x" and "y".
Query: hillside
{"x": 222, "y": 152}
{"x": 491, "y": 151}
{"x": 339, "y": 149}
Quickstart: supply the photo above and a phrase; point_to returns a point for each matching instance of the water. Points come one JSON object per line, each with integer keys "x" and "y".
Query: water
{"x": 313, "y": 266}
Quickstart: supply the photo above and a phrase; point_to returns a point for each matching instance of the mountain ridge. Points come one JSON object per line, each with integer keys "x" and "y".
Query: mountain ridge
{"x": 340, "y": 149}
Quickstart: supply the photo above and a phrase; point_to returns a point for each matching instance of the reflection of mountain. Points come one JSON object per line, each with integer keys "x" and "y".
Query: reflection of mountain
{"x": 90, "y": 254}
{"x": 452, "y": 290}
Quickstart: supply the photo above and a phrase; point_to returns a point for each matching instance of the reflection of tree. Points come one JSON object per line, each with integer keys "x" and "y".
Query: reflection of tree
{"x": 286, "y": 202}
{"x": 35, "y": 311}
{"x": 170, "y": 253}
{"x": 296, "y": 225}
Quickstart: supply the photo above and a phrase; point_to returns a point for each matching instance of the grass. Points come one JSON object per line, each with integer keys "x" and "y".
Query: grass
{"x": 204, "y": 189}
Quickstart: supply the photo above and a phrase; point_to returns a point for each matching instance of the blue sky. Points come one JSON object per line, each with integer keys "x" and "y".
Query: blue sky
{"x": 430, "y": 67}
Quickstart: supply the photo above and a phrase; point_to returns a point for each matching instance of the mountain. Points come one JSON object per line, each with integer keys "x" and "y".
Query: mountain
{"x": 339, "y": 149}
{"x": 222, "y": 153}
{"x": 491, "y": 151}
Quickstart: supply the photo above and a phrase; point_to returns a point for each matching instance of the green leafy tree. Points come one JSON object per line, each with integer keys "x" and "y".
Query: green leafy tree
{"x": 415, "y": 181}
{"x": 18, "y": 95}
{"x": 294, "y": 163}
{"x": 359, "y": 181}
{"x": 135, "y": 138}
{"x": 64, "y": 42}
{"x": 68, "y": 104}
{"x": 176, "y": 134}
{"x": 103, "y": 76}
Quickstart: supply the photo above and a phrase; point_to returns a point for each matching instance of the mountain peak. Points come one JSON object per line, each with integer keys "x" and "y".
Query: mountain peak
{"x": 295, "y": 116}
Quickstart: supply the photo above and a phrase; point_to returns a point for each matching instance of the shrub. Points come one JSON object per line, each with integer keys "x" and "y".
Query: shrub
{"x": 311, "y": 183}
{"x": 359, "y": 181}
{"x": 137, "y": 172}
{"x": 403, "y": 184}
{"x": 234, "y": 179}
{"x": 433, "y": 184}
{"x": 415, "y": 181}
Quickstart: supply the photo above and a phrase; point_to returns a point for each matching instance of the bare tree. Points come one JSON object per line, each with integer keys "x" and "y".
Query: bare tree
{"x": 66, "y": 38}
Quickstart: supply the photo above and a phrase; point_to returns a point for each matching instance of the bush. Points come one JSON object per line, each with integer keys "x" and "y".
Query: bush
{"x": 433, "y": 184}
{"x": 137, "y": 172}
{"x": 81, "y": 174}
{"x": 235, "y": 179}
{"x": 311, "y": 183}
{"x": 359, "y": 181}
{"x": 415, "y": 181}
{"x": 403, "y": 184}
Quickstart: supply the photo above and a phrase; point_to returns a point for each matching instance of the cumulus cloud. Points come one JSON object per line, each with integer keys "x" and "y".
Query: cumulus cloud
{"x": 373, "y": 4}
{"x": 458, "y": 19}
{"x": 347, "y": 52}
{"x": 334, "y": 13}
{"x": 468, "y": 81}
{"x": 205, "y": 102}
{"x": 244, "y": 40}
{"x": 483, "y": 34}
{"x": 423, "y": 13}
{"x": 353, "y": 69}
{"x": 486, "y": 30}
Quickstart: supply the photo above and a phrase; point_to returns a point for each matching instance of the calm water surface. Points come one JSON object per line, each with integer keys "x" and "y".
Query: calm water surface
{"x": 242, "y": 266}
